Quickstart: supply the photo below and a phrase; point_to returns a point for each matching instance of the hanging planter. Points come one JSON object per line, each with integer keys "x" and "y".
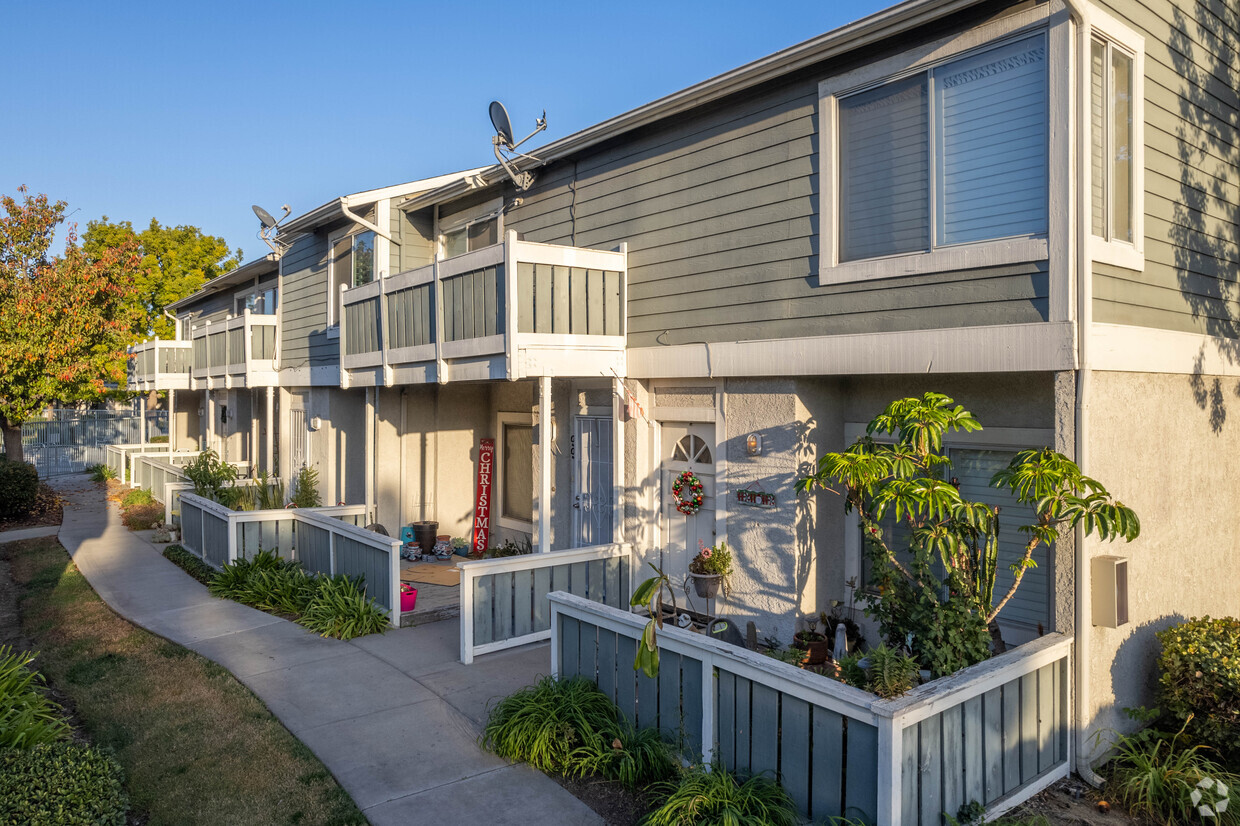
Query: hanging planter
{"x": 706, "y": 585}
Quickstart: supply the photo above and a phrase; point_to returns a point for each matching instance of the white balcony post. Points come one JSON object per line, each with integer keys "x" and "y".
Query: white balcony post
{"x": 544, "y": 464}
{"x": 511, "y": 297}
{"x": 441, "y": 376}
{"x": 142, "y": 419}
{"x": 247, "y": 341}
{"x": 270, "y": 451}
{"x": 340, "y": 342}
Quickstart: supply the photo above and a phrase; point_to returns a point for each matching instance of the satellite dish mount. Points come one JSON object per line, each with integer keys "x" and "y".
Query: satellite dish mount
{"x": 505, "y": 148}
{"x": 268, "y": 227}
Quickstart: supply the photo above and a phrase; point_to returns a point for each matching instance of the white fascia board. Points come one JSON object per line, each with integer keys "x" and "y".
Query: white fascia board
{"x": 1006, "y": 348}
{"x": 889, "y": 22}
{"x": 1122, "y": 348}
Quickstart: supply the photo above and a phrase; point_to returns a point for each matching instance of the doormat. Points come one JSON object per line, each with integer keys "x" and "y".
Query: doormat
{"x": 432, "y": 573}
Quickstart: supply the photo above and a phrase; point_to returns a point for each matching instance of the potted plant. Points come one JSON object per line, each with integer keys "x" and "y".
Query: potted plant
{"x": 710, "y": 569}
{"x": 812, "y": 642}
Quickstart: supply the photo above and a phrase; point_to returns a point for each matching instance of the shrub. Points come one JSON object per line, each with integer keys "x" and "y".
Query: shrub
{"x": 543, "y": 724}
{"x": 27, "y": 716}
{"x": 61, "y": 784}
{"x": 100, "y": 473}
{"x": 341, "y": 609}
{"x": 269, "y": 492}
{"x": 629, "y": 756}
{"x": 142, "y": 517}
{"x": 1168, "y": 781}
{"x": 717, "y": 797}
{"x": 158, "y": 440}
{"x": 19, "y": 486}
{"x": 306, "y": 488}
{"x": 1200, "y": 680}
{"x": 189, "y": 563}
{"x": 210, "y": 474}
{"x": 890, "y": 673}
{"x": 137, "y": 496}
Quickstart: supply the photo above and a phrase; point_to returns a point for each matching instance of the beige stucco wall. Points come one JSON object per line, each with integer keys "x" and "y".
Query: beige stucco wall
{"x": 1167, "y": 446}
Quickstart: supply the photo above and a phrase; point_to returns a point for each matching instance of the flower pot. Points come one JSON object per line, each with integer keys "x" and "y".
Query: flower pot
{"x": 424, "y": 534}
{"x": 706, "y": 585}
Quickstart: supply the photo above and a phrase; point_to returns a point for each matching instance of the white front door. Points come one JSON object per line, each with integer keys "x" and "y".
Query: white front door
{"x": 687, "y": 447}
{"x": 594, "y": 494}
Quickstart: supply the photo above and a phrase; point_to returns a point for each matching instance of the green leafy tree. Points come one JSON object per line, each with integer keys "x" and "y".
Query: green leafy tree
{"x": 64, "y": 320}
{"x": 942, "y": 587}
{"x": 175, "y": 262}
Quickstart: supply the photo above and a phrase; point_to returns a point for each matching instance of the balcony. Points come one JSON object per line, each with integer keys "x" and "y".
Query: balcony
{"x": 159, "y": 365}
{"x": 510, "y": 311}
{"x": 236, "y": 352}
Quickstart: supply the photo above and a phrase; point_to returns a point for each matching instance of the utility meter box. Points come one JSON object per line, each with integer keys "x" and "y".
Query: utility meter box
{"x": 1109, "y": 578}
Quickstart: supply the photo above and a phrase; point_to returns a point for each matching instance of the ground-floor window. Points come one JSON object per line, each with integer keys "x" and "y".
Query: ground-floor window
{"x": 515, "y": 470}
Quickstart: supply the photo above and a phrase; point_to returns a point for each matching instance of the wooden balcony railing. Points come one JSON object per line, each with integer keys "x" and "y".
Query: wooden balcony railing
{"x": 159, "y": 365}
{"x": 236, "y": 352}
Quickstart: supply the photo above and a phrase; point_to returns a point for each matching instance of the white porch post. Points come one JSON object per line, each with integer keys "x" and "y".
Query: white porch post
{"x": 173, "y": 441}
{"x": 142, "y": 419}
{"x": 271, "y": 449}
{"x": 369, "y": 450}
{"x": 544, "y": 464}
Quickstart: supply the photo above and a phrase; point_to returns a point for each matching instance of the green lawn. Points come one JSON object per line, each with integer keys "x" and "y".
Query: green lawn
{"x": 196, "y": 745}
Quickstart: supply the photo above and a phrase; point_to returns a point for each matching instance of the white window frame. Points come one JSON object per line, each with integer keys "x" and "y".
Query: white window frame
{"x": 993, "y": 438}
{"x": 333, "y": 323}
{"x": 962, "y": 256}
{"x": 240, "y": 295}
{"x": 1101, "y": 26}
{"x": 493, "y": 209}
{"x": 497, "y": 492}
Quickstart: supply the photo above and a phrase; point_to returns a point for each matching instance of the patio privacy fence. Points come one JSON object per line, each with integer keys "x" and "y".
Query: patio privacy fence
{"x": 72, "y": 443}
{"x": 996, "y": 732}
{"x": 504, "y": 601}
{"x": 323, "y": 540}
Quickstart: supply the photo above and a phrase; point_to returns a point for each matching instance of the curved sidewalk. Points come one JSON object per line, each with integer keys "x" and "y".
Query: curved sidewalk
{"x": 395, "y": 717}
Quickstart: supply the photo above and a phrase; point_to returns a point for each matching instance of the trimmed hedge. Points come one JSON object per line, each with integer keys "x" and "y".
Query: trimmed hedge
{"x": 61, "y": 784}
{"x": 19, "y": 486}
{"x": 1200, "y": 677}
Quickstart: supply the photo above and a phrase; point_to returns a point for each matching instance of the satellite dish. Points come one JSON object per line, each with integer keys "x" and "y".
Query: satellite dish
{"x": 504, "y": 140}
{"x": 501, "y": 122}
{"x": 264, "y": 217}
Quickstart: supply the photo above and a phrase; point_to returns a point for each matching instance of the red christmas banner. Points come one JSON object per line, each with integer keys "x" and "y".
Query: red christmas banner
{"x": 482, "y": 512}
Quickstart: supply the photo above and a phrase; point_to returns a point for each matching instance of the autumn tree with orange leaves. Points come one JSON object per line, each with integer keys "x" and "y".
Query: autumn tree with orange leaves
{"x": 65, "y": 320}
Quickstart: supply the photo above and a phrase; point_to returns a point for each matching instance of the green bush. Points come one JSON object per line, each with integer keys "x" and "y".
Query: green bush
{"x": 189, "y": 563}
{"x": 544, "y": 724}
{"x": 890, "y": 672}
{"x": 631, "y": 757}
{"x": 210, "y": 474}
{"x": 19, "y": 486}
{"x": 710, "y": 797}
{"x": 1200, "y": 680}
{"x": 332, "y": 606}
{"x": 142, "y": 517}
{"x": 27, "y": 716}
{"x": 61, "y": 784}
{"x": 137, "y": 496}
{"x": 306, "y": 488}
{"x": 100, "y": 473}
{"x": 158, "y": 440}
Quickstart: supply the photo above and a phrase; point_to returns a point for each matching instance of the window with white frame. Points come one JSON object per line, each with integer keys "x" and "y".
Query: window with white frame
{"x": 514, "y": 471}
{"x": 1116, "y": 138}
{"x": 942, "y": 163}
{"x": 352, "y": 264}
{"x": 263, "y": 301}
{"x": 459, "y": 234}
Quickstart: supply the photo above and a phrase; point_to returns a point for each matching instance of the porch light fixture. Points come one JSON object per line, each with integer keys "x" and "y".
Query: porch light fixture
{"x": 753, "y": 444}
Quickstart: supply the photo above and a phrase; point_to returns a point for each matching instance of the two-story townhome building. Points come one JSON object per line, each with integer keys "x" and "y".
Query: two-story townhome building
{"x": 1029, "y": 206}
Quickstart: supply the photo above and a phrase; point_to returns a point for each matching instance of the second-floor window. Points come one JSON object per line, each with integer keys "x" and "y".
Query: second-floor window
{"x": 259, "y": 302}
{"x": 352, "y": 264}
{"x": 458, "y": 238}
{"x": 956, "y": 154}
{"x": 1111, "y": 133}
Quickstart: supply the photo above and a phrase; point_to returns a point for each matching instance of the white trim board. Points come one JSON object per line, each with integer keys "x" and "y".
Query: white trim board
{"x": 1126, "y": 349}
{"x": 325, "y": 375}
{"x": 989, "y": 349}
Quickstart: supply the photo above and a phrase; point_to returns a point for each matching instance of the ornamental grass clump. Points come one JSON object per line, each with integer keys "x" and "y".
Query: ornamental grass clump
{"x": 715, "y": 797}
{"x": 629, "y": 756}
{"x": 546, "y": 723}
{"x": 27, "y": 716}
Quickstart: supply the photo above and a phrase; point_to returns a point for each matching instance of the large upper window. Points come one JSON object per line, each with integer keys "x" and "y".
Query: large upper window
{"x": 259, "y": 301}
{"x": 474, "y": 235}
{"x": 352, "y": 264}
{"x": 953, "y": 155}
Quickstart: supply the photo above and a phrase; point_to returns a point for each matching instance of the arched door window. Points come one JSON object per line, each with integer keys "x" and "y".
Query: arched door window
{"x": 692, "y": 449}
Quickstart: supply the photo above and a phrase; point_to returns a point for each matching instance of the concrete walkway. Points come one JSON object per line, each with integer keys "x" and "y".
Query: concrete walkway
{"x": 29, "y": 533}
{"x": 395, "y": 717}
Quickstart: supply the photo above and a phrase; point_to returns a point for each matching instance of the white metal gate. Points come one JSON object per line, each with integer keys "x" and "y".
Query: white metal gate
{"x": 72, "y": 444}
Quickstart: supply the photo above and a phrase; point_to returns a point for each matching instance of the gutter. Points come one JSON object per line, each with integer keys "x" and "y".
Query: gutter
{"x": 1083, "y": 621}
{"x": 884, "y": 24}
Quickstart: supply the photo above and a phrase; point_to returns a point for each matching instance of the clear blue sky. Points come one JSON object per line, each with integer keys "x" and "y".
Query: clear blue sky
{"x": 190, "y": 112}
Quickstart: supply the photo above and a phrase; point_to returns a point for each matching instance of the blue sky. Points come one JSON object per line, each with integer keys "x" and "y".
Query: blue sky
{"x": 190, "y": 112}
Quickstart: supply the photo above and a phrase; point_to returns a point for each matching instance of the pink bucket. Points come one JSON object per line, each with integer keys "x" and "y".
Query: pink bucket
{"x": 408, "y": 598}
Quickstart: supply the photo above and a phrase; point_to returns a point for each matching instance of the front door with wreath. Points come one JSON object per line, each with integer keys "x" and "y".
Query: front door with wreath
{"x": 688, "y": 514}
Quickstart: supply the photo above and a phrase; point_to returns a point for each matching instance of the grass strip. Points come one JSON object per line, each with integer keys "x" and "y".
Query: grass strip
{"x": 197, "y": 746}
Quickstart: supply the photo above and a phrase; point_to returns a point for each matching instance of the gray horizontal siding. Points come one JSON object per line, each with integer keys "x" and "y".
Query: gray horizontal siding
{"x": 1192, "y": 185}
{"x": 303, "y": 323}
{"x": 720, "y": 212}
{"x": 416, "y": 234}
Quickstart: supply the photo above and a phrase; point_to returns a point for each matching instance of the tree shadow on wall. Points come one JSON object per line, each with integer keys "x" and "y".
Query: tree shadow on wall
{"x": 1205, "y": 230}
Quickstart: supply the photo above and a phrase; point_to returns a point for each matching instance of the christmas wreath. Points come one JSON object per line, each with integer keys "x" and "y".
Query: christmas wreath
{"x": 687, "y": 491}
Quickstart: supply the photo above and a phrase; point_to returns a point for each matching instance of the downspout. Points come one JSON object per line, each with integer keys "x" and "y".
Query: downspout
{"x": 353, "y": 216}
{"x": 1084, "y": 382}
